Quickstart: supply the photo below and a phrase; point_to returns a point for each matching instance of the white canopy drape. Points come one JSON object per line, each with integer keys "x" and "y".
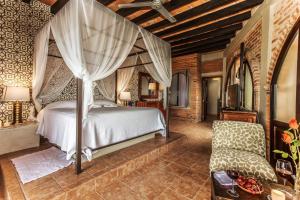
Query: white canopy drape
{"x": 124, "y": 75}
{"x": 94, "y": 42}
{"x": 107, "y": 87}
{"x": 159, "y": 52}
{"x": 41, "y": 45}
{"x": 56, "y": 79}
{"x": 92, "y": 50}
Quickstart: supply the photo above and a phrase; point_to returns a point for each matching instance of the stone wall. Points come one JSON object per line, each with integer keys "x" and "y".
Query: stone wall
{"x": 192, "y": 64}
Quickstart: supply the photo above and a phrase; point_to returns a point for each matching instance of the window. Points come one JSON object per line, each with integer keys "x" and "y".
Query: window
{"x": 285, "y": 91}
{"x": 286, "y": 86}
{"x": 180, "y": 89}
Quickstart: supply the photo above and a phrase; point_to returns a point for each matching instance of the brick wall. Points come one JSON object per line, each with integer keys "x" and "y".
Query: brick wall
{"x": 192, "y": 63}
{"x": 212, "y": 66}
{"x": 285, "y": 16}
{"x": 253, "y": 41}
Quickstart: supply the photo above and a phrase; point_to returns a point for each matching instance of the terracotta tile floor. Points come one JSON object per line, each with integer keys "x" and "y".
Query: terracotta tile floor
{"x": 180, "y": 174}
{"x": 1, "y": 187}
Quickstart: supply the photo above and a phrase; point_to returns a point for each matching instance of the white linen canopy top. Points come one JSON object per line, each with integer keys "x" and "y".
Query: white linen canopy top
{"x": 107, "y": 124}
{"x": 94, "y": 42}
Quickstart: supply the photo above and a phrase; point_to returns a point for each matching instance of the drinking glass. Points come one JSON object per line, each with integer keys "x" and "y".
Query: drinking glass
{"x": 233, "y": 175}
{"x": 284, "y": 169}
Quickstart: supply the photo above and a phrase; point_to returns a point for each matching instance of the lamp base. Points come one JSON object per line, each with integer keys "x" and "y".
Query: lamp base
{"x": 17, "y": 113}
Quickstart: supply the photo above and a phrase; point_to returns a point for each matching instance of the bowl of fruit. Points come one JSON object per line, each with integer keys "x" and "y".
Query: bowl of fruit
{"x": 250, "y": 185}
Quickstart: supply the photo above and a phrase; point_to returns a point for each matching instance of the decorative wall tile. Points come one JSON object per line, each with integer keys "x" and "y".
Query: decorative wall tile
{"x": 19, "y": 22}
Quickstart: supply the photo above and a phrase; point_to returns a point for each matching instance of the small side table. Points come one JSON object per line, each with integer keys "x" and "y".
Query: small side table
{"x": 19, "y": 137}
{"x": 218, "y": 192}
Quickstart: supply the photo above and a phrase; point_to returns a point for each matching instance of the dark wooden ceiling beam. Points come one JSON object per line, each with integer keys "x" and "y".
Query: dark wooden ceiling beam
{"x": 128, "y": 11}
{"x": 208, "y": 45}
{"x": 213, "y": 26}
{"x": 170, "y": 6}
{"x": 212, "y": 16}
{"x": 203, "y": 42}
{"x": 214, "y": 33}
{"x": 61, "y": 3}
{"x": 201, "y": 9}
{"x": 204, "y": 48}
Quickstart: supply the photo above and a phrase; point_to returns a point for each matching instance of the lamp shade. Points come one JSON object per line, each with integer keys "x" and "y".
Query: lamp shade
{"x": 126, "y": 96}
{"x": 152, "y": 86}
{"x": 16, "y": 94}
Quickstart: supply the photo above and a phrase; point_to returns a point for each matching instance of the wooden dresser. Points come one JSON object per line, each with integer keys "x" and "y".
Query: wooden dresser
{"x": 152, "y": 104}
{"x": 243, "y": 116}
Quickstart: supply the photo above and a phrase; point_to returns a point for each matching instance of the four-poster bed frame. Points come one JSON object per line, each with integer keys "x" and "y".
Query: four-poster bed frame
{"x": 79, "y": 96}
{"x": 92, "y": 52}
{"x": 78, "y": 168}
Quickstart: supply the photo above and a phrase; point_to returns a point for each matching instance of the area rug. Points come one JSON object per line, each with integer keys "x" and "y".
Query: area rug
{"x": 36, "y": 165}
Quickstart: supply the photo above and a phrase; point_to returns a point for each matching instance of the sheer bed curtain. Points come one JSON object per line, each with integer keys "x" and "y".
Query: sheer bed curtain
{"x": 92, "y": 50}
{"x": 107, "y": 87}
{"x": 40, "y": 57}
{"x": 57, "y": 77}
{"x": 125, "y": 75}
{"x": 159, "y": 53}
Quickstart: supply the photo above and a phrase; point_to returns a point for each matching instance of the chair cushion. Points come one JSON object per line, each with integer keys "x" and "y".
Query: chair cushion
{"x": 239, "y": 135}
{"x": 247, "y": 163}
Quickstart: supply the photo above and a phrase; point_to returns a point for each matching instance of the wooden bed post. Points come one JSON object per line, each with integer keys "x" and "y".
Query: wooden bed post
{"x": 167, "y": 114}
{"x": 116, "y": 87}
{"x": 78, "y": 126}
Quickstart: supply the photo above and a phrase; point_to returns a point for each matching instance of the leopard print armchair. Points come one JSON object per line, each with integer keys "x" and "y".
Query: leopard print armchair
{"x": 240, "y": 146}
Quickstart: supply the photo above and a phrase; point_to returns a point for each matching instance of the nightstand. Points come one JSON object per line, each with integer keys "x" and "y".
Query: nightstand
{"x": 19, "y": 137}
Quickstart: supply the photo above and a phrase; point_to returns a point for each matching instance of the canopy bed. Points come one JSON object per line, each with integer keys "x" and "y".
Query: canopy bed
{"x": 93, "y": 52}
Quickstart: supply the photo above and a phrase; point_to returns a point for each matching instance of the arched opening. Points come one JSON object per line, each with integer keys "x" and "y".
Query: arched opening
{"x": 285, "y": 90}
{"x": 239, "y": 86}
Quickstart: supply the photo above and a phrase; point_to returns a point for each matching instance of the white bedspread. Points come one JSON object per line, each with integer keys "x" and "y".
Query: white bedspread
{"x": 105, "y": 125}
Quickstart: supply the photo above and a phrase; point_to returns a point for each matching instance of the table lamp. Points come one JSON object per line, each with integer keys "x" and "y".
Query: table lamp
{"x": 125, "y": 97}
{"x": 17, "y": 95}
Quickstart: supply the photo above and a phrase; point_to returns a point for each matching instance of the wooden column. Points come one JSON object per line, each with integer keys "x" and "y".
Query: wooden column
{"x": 167, "y": 114}
{"x": 241, "y": 74}
{"x": 78, "y": 126}
{"x": 116, "y": 87}
{"x": 298, "y": 83}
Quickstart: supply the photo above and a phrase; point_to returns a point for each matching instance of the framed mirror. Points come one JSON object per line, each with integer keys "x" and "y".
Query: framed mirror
{"x": 148, "y": 87}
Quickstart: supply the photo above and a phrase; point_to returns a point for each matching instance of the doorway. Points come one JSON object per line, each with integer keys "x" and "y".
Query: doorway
{"x": 211, "y": 98}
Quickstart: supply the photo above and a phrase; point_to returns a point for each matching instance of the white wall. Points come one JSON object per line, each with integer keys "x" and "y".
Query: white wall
{"x": 214, "y": 86}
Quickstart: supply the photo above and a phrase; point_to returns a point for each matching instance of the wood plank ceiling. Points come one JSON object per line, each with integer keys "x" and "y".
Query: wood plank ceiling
{"x": 202, "y": 25}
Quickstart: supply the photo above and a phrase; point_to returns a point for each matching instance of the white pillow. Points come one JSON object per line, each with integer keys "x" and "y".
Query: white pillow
{"x": 104, "y": 103}
{"x": 61, "y": 104}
